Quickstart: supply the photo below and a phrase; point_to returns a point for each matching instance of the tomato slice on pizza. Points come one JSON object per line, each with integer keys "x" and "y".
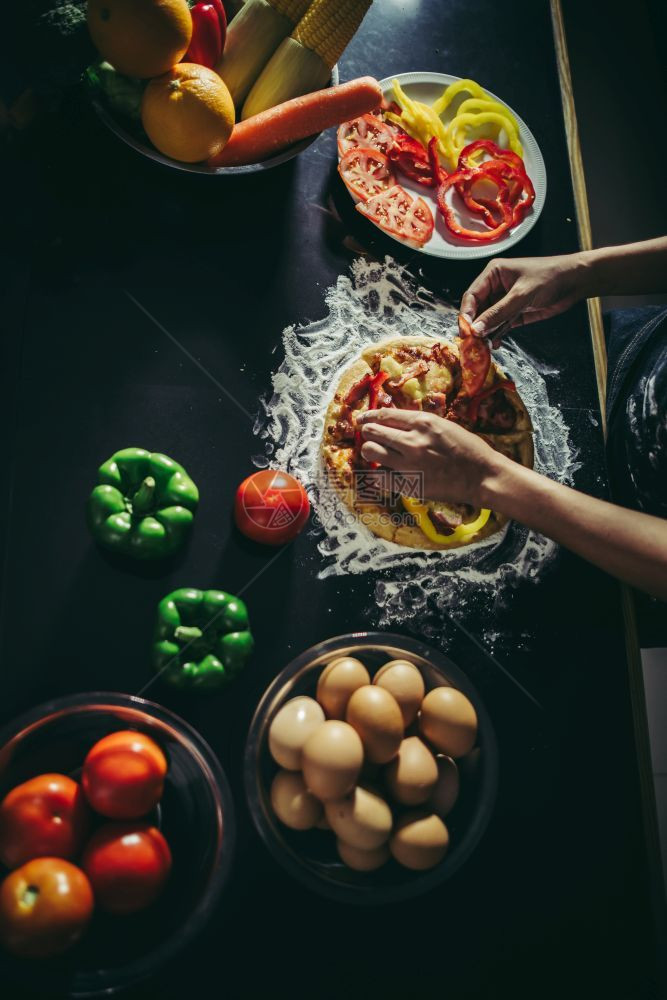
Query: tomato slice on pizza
{"x": 475, "y": 358}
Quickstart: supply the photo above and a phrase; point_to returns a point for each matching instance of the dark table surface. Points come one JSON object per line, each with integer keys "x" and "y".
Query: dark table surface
{"x": 556, "y": 898}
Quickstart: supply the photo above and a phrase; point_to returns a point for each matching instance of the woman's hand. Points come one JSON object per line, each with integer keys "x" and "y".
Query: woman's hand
{"x": 454, "y": 463}
{"x": 510, "y": 293}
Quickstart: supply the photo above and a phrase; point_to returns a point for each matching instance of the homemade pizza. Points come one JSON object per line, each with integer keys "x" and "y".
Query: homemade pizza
{"x": 458, "y": 380}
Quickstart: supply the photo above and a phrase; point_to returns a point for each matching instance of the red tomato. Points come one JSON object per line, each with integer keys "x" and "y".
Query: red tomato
{"x": 46, "y": 815}
{"x": 271, "y": 507}
{"x": 399, "y": 214}
{"x": 44, "y": 907}
{"x": 475, "y": 358}
{"x": 366, "y": 172}
{"x": 367, "y": 131}
{"x": 127, "y": 864}
{"x": 123, "y": 775}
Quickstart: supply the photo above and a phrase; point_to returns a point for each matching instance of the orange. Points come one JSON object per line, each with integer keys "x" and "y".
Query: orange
{"x": 141, "y": 38}
{"x": 188, "y": 113}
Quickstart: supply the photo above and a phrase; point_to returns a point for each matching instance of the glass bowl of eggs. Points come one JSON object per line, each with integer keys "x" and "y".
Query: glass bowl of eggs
{"x": 371, "y": 768}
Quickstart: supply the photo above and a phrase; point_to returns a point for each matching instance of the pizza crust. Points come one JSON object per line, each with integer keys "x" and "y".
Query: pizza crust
{"x": 518, "y": 444}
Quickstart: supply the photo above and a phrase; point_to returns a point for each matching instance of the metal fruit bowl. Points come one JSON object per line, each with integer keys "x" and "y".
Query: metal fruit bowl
{"x": 311, "y": 856}
{"x": 132, "y": 134}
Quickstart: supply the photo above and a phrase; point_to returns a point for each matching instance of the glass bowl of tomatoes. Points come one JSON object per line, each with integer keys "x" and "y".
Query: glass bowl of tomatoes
{"x": 96, "y": 762}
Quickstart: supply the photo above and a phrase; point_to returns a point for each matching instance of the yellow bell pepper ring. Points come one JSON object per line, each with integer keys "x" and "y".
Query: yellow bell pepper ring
{"x": 452, "y": 91}
{"x": 459, "y": 125}
{"x": 463, "y": 533}
{"x": 475, "y": 104}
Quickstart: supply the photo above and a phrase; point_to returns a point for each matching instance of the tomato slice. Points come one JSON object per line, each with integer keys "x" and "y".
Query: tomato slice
{"x": 399, "y": 214}
{"x": 367, "y": 131}
{"x": 366, "y": 172}
{"x": 475, "y": 358}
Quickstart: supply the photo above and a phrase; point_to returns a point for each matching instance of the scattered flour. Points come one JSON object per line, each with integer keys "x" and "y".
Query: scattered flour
{"x": 380, "y": 300}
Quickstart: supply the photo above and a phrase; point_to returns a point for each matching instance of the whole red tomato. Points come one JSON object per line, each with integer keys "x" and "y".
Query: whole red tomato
{"x": 123, "y": 775}
{"x": 271, "y": 507}
{"x": 46, "y": 815}
{"x": 44, "y": 907}
{"x": 127, "y": 864}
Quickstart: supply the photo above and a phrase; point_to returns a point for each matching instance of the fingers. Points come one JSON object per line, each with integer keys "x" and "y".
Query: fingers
{"x": 391, "y": 438}
{"x": 503, "y": 313}
{"x": 469, "y": 305}
{"x": 374, "y": 452}
{"x": 391, "y": 417}
{"x": 480, "y": 293}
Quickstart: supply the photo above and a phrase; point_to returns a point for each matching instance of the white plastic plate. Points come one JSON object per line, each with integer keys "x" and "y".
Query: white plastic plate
{"x": 427, "y": 87}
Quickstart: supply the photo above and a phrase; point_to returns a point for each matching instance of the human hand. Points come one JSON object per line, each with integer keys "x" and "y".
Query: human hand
{"x": 513, "y": 292}
{"x": 453, "y": 461}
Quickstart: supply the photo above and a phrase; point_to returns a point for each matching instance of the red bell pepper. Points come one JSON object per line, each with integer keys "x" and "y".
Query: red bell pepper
{"x": 411, "y": 159}
{"x": 374, "y": 388}
{"x": 503, "y": 163}
{"x": 209, "y": 29}
{"x": 371, "y": 384}
{"x": 502, "y": 203}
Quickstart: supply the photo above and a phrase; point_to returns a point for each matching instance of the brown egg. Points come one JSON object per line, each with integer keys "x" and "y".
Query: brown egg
{"x": 362, "y": 861}
{"x": 405, "y": 682}
{"x": 412, "y": 774}
{"x": 443, "y": 797}
{"x": 420, "y": 840}
{"x": 362, "y": 819}
{"x": 290, "y": 729}
{"x": 375, "y": 715}
{"x": 337, "y": 682}
{"x": 448, "y": 720}
{"x": 332, "y": 757}
{"x": 292, "y": 802}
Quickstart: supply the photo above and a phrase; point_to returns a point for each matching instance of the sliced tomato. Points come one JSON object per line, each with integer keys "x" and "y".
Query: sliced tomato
{"x": 475, "y": 359}
{"x": 367, "y": 131}
{"x": 399, "y": 214}
{"x": 366, "y": 172}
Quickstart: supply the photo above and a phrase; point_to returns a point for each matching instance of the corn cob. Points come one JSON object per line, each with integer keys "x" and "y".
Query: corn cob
{"x": 253, "y": 36}
{"x": 303, "y": 62}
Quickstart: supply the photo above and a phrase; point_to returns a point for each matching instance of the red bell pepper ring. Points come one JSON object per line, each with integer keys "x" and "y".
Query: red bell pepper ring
{"x": 209, "y": 28}
{"x": 467, "y": 160}
{"x": 438, "y": 172}
{"x": 474, "y": 404}
{"x": 449, "y": 215}
{"x": 482, "y": 205}
{"x": 507, "y": 165}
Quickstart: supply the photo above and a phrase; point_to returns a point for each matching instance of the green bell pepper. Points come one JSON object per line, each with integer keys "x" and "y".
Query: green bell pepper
{"x": 143, "y": 505}
{"x": 202, "y": 639}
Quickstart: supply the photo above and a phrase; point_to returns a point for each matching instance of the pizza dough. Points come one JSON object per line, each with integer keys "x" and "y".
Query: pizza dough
{"x": 422, "y": 374}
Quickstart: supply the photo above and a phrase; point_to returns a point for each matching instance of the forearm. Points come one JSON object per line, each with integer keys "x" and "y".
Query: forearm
{"x": 625, "y": 543}
{"x": 633, "y": 269}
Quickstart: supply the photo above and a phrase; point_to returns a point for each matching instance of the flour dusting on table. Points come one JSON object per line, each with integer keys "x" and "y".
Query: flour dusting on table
{"x": 377, "y": 301}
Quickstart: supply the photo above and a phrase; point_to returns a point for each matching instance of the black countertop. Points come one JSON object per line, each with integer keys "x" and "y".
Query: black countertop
{"x": 556, "y": 897}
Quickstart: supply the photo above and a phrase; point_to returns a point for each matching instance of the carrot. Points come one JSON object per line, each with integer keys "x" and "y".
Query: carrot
{"x": 266, "y": 134}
